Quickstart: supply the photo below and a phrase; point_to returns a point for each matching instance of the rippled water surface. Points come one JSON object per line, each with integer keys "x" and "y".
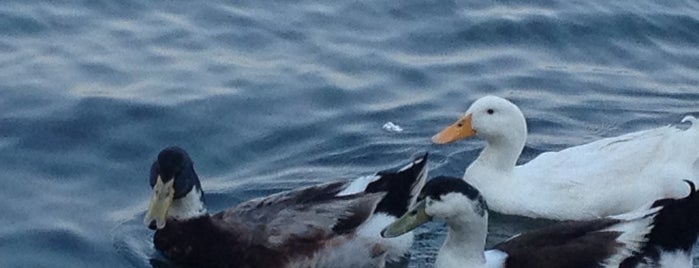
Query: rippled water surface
{"x": 268, "y": 96}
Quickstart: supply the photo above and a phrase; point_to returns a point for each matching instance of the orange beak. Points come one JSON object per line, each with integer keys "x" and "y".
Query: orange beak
{"x": 460, "y": 130}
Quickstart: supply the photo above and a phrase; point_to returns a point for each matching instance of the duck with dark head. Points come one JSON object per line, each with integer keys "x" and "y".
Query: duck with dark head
{"x": 323, "y": 225}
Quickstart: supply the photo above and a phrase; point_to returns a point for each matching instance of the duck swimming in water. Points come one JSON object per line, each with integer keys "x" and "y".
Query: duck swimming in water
{"x": 334, "y": 224}
{"x": 657, "y": 235}
{"x": 606, "y": 177}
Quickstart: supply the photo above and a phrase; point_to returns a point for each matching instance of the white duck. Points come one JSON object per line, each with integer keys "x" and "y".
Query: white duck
{"x": 606, "y": 177}
{"x": 657, "y": 235}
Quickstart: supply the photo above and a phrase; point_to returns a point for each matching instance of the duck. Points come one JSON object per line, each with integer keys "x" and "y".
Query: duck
{"x": 605, "y": 177}
{"x": 645, "y": 237}
{"x": 334, "y": 224}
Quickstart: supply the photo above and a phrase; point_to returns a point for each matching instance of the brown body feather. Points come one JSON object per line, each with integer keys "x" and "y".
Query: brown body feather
{"x": 563, "y": 245}
{"x": 290, "y": 229}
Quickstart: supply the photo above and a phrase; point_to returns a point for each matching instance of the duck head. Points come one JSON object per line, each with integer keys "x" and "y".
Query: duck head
{"x": 176, "y": 189}
{"x": 448, "y": 199}
{"x": 491, "y": 117}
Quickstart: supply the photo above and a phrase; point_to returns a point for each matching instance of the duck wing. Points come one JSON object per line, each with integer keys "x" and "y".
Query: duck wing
{"x": 674, "y": 234}
{"x": 628, "y": 158}
{"x": 604, "y": 242}
{"x": 402, "y": 186}
{"x": 585, "y": 180}
{"x": 300, "y": 220}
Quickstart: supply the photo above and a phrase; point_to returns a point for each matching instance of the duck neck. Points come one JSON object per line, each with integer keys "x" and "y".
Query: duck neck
{"x": 189, "y": 206}
{"x": 502, "y": 151}
{"x": 464, "y": 244}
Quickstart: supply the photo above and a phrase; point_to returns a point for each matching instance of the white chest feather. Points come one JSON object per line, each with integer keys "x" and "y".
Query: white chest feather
{"x": 189, "y": 206}
{"x": 397, "y": 247}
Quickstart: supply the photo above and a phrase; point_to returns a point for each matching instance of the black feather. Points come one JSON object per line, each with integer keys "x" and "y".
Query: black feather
{"x": 442, "y": 185}
{"x": 398, "y": 186}
{"x": 575, "y": 244}
{"x": 675, "y": 229}
{"x": 174, "y": 163}
{"x": 201, "y": 242}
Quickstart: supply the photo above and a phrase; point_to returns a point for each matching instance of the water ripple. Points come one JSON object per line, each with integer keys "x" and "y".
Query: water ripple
{"x": 269, "y": 96}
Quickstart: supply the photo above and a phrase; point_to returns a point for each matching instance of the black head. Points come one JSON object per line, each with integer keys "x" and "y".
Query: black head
{"x": 174, "y": 163}
{"x": 172, "y": 177}
{"x": 443, "y": 185}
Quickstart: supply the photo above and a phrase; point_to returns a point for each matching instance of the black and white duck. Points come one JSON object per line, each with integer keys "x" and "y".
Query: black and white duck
{"x": 660, "y": 234}
{"x": 334, "y": 224}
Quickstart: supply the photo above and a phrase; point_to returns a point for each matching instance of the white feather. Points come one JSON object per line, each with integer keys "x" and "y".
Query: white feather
{"x": 495, "y": 258}
{"x": 187, "y": 207}
{"x": 676, "y": 259}
{"x": 396, "y": 247}
{"x": 634, "y": 229}
{"x": 358, "y": 185}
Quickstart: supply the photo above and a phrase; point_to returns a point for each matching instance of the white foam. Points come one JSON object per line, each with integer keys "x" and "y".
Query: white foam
{"x": 391, "y": 127}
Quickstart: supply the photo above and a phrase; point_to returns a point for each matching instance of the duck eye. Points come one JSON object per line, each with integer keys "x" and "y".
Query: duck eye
{"x": 490, "y": 111}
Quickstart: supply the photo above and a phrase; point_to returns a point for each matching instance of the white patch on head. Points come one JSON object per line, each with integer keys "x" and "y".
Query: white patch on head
{"x": 358, "y": 185}
{"x": 188, "y": 207}
{"x": 453, "y": 207}
{"x": 397, "y": 247}
{"x": 675, "y": 259}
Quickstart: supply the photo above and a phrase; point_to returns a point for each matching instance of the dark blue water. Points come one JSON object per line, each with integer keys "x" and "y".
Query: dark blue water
{"x": 268, "y": 96}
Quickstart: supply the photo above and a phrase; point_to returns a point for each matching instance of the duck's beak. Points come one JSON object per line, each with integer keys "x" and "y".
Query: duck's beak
{"x": 409, "y": 221}
{"x": 461, "y": 129}
{"x": 160, "y": 202}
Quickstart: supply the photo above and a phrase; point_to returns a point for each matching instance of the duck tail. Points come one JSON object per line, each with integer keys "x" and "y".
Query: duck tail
{"x": 692, "y": 188}
{"x": 681, "y": 214}
{"x": 691, "y": 119}
{"x": 675, "y": 228}
{"x": 692, "y": 206}
{"x": 401, "y": 185}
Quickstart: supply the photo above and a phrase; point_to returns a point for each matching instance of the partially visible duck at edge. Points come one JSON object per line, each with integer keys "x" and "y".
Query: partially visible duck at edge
{"x": 659, "y": 234}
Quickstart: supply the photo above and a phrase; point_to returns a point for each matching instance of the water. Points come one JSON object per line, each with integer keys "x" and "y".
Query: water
{"x": 268, "y": 96}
